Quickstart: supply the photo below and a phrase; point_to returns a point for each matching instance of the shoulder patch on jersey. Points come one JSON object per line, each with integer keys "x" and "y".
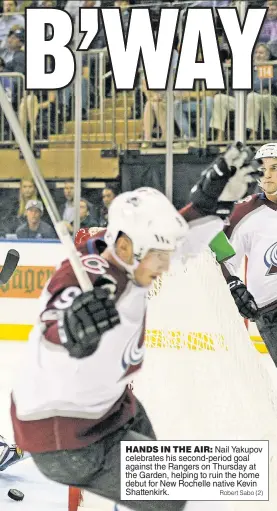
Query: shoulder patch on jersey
{"x": 270, "y": 260}
{"x": 95, "y": 264}
{"x": 81, "y": 236}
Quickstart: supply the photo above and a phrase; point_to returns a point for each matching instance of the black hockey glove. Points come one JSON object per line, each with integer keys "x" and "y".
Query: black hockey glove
{"x": 89, "y": 317}
{"x": 243, "y": 299}
{"x": 226, "y": 181}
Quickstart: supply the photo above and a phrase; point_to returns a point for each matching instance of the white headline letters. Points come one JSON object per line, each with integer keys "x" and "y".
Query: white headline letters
{"x": 140, "y": 45}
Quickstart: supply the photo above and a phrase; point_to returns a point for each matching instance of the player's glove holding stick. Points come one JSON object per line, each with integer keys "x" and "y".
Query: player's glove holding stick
{"x": 244, "y": 300}
{"x": 89, "y": 317}
{"x": 226, "y": 181}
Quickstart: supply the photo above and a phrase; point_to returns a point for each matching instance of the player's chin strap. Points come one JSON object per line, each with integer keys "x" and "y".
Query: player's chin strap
{"x": 261, "y": 186}
{"x": 130, "y": 268}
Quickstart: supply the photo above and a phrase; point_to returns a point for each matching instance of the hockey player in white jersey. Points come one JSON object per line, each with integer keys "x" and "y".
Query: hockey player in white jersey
{"x": 72, "y": 404}
{"x": 252, "y": 233}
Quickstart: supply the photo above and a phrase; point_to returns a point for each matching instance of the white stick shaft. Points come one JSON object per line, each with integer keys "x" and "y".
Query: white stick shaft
{"x": 50, "y": 205}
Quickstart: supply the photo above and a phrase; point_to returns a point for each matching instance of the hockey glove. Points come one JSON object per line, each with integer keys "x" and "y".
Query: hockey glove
{"x": 243, "y": 299}
{"x": 225, "y": 181}
{"x": 90, "y": 316}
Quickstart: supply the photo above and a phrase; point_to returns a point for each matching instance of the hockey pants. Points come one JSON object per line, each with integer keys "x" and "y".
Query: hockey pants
{"x": 267, "y": 326}
{"x": 96, "y": 468}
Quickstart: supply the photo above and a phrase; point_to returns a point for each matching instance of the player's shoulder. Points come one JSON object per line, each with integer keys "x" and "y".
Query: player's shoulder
{"x": 247, "y": 205}
{"x": 253, "y": 199}
{"x": 244, "y": 210}
{"x": 90, "y": 239}
{"x": 90, "y": 246}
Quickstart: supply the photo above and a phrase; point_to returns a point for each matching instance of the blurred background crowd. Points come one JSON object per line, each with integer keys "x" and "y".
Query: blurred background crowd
{"x": 115, "y": 123}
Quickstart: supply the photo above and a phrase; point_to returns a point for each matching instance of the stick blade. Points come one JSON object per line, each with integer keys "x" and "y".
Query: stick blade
{"x": 9, "y": 267}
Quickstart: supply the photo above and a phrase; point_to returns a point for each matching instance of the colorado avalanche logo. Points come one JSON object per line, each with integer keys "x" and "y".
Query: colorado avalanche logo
{"x": 95, "y": 264}
{"x": 270, "y": 260}
{"x": 133, "y": 355}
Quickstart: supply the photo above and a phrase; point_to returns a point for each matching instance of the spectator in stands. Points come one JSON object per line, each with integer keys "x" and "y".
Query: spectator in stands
{"x": 86, "y": 219}
{"x": 269, "y": 29}
{"x": 9, "y": 18}
{"x": 67, "y": 209}
{"x": 15, "y": 57}
{"x": 212, "y": 3}
{"x": 23, "y": 4}
{"x": 47, "y": 4}
{"x": 154, "y": 109}
{"x": 27, "y": 192}
{"x": 88, "y": 64}
{"x": 13, "y": 212}
{"x": 34, "y": 227}
{"x": 223, "y": 104}
{"x": 16, "y": 62}
{"x": 5, "y": 80}
{"x": 258, "y": 101}
{"x": 185, "y": 112}
{"x": 72, "y": 6}
{"x": 155, "y": 106}
{"x": 66, "y": 95}
{"x": 38, "y": 109}
{"x": 124, "y": 6}
{"x": 13, "y": 43}
{"x": 108, "y": 195}
{"x": 263, "y": 99}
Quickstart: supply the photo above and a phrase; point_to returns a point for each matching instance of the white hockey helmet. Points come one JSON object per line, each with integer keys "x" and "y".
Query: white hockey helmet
{"x": 149, "y": 219}
{"x": 266, "y": 151}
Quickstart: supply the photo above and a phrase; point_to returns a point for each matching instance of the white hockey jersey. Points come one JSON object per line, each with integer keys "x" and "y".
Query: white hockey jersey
{"x": 64, "y": 403}
{"x": 253, "y": 233}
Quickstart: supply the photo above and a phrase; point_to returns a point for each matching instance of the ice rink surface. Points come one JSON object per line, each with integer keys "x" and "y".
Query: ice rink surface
{"x": 41, "y": 494}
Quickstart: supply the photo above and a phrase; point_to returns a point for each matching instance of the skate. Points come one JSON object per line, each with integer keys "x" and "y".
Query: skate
{"x": 9, "y": 454}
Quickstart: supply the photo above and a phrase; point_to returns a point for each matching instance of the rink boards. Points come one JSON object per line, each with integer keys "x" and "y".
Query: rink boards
{"x": 19, "y": 298}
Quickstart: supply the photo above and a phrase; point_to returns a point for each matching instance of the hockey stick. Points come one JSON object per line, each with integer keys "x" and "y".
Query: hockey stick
{"x": 9, "y": 266}
{"x": 59, "y": 225}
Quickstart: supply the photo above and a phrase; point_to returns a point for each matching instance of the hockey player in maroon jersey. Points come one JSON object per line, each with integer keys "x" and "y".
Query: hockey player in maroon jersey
{"x": 252, "y": 233}
{"x": 72, "y": 404}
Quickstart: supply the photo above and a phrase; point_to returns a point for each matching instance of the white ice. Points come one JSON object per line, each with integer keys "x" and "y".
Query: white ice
{"x": 40, "y": 493}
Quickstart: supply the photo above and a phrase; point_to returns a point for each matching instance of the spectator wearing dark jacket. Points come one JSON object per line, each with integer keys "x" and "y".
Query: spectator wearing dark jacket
{"x": 86, "y": 218}
{"x": 35, "y": 228}
{"x": 16, "y": 39}
{"x": 16, "y": 63}
{"x": 108, "y": 195}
